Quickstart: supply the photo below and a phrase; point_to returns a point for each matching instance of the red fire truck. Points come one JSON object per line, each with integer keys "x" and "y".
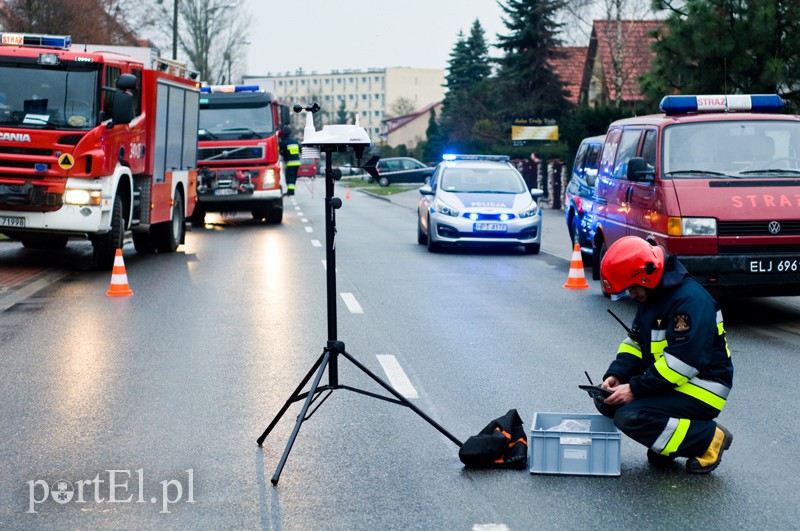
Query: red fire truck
{"x": 240, "y": 168}
{"x": 92, "y": 144}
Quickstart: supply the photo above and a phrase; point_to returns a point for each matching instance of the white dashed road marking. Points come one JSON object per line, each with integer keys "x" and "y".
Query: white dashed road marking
{"x": 316, "y": 243}
{"x": 397, "y": 376}
{"x": 351, "y": 302}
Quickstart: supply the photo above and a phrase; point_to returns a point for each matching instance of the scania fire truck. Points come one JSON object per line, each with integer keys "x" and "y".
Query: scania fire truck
{"x": 92, "y": 144}
{"x": 240, "y": 168}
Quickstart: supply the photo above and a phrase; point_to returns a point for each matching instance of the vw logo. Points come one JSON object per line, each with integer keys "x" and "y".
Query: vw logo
{"x": 774, "y": 227}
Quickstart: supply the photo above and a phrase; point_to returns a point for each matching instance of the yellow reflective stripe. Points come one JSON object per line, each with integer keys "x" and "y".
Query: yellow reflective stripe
{"x": 668, "y": 373}
{"x": 293, "y": 163}
{"x": 702, "y": 395}
{"x": 629, "y": 348}
{"x": 293, "y": 149}
{"x": 677, "y": 437}
{"x": 657, "y": 349}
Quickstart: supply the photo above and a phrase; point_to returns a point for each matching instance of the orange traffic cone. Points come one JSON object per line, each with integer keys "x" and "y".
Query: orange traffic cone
{"x": 119, "y": 279}
{"x": 576, "y": 279}
{"x": 347, "y": 192}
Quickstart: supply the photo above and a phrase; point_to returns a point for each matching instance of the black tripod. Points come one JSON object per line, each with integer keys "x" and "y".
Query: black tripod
{"x": 334, "y": 348}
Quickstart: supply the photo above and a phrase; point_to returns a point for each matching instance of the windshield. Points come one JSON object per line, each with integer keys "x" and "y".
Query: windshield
{"x": 32, "y": 97}
{"x": 236, "y": 121}
{"x": 732, "y": 148}
{"x": 496, "y": 180}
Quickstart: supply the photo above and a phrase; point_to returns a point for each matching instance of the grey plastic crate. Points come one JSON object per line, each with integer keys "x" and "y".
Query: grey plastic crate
{"x": 593, "y": 453}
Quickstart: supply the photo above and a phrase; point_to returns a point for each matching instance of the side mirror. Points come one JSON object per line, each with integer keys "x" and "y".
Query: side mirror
{"x": 126, "y": 82}
{"x": 426, "y": 190}
{"x": 122, "y": 112}
{"x": 591, "y": 177}
{"x": 638, "y": 170}
{"x": 536, "y": 193}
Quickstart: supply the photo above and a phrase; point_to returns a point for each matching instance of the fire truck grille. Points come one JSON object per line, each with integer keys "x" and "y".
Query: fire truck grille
{"x": 758, "y": 228}
{"x": 231, "y": 153}
{"x": 26, "y": 151}
{"x": 24, "y": 164}
{"x": 27, "y": 196}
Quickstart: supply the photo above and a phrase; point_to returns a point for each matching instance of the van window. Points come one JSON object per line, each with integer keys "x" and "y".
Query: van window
{"x": 593, "y": 156}
{"x": 649, "y": 148}
{"x": 627, "y": 149}
{"x": 579, "y": 158}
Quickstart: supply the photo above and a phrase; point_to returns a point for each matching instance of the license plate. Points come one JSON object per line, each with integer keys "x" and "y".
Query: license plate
{"x": 11, "y": 221}
{"x": 774, "y": 265}
{"x": 490, "y": 227}
{"x": 225, "y": 191}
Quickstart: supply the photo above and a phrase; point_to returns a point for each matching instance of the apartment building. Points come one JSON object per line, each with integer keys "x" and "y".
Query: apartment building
{"x": 369, "y": 93}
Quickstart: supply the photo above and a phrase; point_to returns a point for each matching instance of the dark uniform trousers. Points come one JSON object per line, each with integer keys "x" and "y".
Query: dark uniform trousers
{"x": 645, "y": 420}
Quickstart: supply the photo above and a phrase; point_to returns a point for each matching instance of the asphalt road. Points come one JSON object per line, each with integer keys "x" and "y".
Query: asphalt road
{"x": 157, "y": 399}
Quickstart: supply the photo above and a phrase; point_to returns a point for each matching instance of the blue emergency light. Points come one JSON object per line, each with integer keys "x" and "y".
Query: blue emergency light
{"x": 672, "y": 105}
{"x": 493, "y": 158}
{"x": 215, "y": 89}
{"x": 34, "y": 39}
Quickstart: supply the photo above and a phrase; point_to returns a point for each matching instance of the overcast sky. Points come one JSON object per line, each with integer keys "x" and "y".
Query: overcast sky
{"x": 325, "y": 35}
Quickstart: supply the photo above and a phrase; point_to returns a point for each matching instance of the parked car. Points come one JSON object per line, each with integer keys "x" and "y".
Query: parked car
{"x": 579, "y": 201}
{"x": 308, "y": 168}
{"x": 402, "y": 170}
{"x": 478, "y": 199}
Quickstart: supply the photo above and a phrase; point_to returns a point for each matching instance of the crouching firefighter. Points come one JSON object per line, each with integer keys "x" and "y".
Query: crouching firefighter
{"x": 290, "y": 151}
{"x": 673, "y": 372}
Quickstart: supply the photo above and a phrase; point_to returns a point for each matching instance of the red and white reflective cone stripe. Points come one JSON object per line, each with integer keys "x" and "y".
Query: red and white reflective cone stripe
{"x": 576, "y": 278}
{"x": 119, "y": 278}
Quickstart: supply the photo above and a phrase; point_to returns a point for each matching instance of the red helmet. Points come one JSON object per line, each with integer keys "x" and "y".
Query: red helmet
{"x": 631, "y": 261}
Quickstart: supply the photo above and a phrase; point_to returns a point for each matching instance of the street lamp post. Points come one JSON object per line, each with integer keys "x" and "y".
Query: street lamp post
{"x": 174, "y": 30}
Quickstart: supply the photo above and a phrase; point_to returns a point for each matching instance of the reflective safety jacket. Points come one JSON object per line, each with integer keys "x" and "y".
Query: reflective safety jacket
{"x": 677, "y": 343}
{"x": 290, "y": 151}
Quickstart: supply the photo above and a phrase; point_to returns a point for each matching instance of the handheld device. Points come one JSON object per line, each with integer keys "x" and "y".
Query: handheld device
{"x": 595, "y": 391}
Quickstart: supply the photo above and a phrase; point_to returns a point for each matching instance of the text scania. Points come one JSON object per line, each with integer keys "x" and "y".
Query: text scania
{"x": 15, "y": 137}
{"x": 113, "y": 489}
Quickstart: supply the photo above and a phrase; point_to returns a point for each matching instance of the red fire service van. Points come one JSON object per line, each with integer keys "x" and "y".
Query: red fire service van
{"x": 239, "y": 160}
{"x": 93, "y": 143}
{"x": 716, "y": 181}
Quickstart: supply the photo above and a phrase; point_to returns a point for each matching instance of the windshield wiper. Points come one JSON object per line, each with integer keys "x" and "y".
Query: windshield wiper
{"x": 767, "y": 170}
{"x": 690, "y": 172}
{"x": 246, "y": 129}
{"x": 209, "y": 134}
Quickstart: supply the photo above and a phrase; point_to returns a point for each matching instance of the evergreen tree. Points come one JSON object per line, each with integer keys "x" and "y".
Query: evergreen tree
{"x": 527, "y": 82}
{"x": 468, "y": 93}
{"x": 720, "y": 46}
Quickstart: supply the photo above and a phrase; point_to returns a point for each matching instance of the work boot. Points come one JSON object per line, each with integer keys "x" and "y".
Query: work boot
{"x": 713, "y": 456}
{"x": 659, "y": 460}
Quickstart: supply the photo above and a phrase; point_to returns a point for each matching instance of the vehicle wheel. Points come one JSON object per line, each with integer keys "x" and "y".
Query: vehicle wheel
{"x": 597, "y": 258}
{"x": 532, "y": 248}
{"x": 432, "y": 245}
{"x": 383, "y": 181}
{"x": 198, "y": 216}
{"x": 273, "y": 214}
{"x": 168, "y": 235}
{"x": 574, "y": 236}
{"x": 422, "y": 238}
{"x": 143, "y": 242}
{"x": 104, "y": 246}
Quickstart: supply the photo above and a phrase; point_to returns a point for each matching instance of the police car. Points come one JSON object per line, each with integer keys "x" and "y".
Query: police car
{"x": 478, "y": 199}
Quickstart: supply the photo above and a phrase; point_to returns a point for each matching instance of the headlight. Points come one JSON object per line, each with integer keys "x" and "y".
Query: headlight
{"x": 83, "y": 197}
{"x": 530, "y": 211}
{"x": 692, "y": 227}
{"x": 269, "y": 179}
{"x": 443, "y": 208}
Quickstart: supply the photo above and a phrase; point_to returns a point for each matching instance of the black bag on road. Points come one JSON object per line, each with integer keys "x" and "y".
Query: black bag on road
{"x": 501, "y": 444}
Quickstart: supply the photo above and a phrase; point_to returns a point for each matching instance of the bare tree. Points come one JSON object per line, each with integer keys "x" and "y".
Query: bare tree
{"x": 210, "y": 33}
{"x": 401, "y": 107}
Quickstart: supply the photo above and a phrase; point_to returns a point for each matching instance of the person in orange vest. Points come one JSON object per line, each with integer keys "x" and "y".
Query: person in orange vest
{"x": 290, "y": 151}
{"x": 672, "y": 374}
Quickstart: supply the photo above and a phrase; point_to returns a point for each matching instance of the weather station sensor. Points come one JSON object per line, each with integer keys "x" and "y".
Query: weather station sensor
{"x": 334, "y": 139}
